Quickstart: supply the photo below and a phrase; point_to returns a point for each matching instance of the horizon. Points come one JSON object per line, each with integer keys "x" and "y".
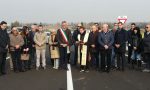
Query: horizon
{"x": 55, "y": 11}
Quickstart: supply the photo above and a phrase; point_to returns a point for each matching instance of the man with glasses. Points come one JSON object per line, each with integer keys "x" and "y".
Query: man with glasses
{"x": 32, "y": 52}
{"x": 4, "y": 42}
{"x": 146, "y": 45}
{"x": 75, "y": 37}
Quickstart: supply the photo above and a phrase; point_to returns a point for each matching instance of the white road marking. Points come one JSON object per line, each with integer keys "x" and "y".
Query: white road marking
{"x": 69, "y": 79}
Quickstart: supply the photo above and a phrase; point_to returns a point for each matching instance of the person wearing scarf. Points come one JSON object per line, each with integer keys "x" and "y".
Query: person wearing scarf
{"x": 54, "y": 50}
{"x": 65, "y": 40}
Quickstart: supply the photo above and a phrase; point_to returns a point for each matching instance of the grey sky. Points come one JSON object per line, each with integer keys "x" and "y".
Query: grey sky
{"x": 52, "y": 11}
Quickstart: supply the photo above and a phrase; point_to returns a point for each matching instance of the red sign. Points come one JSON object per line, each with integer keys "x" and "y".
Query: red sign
{"x": 122, "y": 19}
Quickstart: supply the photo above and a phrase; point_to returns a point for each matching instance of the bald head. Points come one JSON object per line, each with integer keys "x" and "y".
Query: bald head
{"x": 105, "y": 27}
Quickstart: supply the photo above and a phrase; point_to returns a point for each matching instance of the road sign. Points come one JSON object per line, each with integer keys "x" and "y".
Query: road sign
{"x": 122, "y": 19}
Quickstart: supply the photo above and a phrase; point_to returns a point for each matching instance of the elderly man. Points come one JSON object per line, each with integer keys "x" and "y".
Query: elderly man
{"x": 16, "y": 42}
{"x": 106, "y": 40}
{"x": 32, "y": 52}
{"x": 146, "y": 45}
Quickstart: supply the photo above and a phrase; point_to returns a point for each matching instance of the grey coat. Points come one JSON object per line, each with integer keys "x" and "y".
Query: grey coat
{"x": 106, "y": 39}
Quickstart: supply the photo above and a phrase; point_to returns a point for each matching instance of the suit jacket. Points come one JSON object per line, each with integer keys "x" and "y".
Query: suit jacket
{"x": 4, "y": 40}
{"x": 40, "y": 37}
{"x": 121, "y": 38}
{"x": 106, "y": 39}
{"x": 93, "y": 40}
{"x": 146, "y": 43}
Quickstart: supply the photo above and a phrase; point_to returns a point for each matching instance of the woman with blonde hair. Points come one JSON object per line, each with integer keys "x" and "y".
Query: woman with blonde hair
{"x": 54, "y": 50}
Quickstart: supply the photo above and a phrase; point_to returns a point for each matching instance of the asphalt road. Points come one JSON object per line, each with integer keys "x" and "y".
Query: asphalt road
{"x": 115, "y": 80}
{"x": 51, "y": 79}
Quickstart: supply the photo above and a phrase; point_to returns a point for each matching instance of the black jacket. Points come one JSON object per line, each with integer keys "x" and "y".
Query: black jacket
{"x": 129, "y": 34}
{"x": 4, "y": 40}
{"x": 93, "y": 40}
{"x": 31, "y": 37}
{"x": 121, "y": 38}
{"x": 146, "y": 43}
{"x": 75, "y": 35}
{"x": 136, "y": 42}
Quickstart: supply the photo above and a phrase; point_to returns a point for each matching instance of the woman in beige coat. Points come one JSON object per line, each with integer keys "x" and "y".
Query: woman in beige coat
{"x": 54, "y": 50}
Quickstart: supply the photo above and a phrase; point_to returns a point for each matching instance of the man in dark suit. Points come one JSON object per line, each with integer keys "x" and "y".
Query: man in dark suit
{"x": 120, "y": 45}
{"x": 94, "y": 46}
{"x": 32, "y": 58}
{"x": 106, "y": 40}
{"x": 64, "y": 38}
{"x": 4, "y": 42}
{"x": 146, "y": 46}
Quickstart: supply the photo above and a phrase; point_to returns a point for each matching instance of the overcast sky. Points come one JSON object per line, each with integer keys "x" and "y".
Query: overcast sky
{"x": 52, "y": 11}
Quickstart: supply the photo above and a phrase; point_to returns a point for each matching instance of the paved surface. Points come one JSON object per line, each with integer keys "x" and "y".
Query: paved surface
{"x": 34, "y": 80}
{"x": 115, "y": 80}
{"x": 57, "y": 80}
{"x": 51, "y": 79}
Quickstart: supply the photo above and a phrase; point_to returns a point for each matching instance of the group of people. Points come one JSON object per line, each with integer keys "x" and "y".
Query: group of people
{"x": 100, "y": 48}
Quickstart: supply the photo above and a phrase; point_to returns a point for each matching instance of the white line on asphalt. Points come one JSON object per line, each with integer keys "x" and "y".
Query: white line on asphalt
{"x": 69, "y": 79}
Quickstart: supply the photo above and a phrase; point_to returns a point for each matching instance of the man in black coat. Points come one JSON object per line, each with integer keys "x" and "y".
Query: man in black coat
{"x": 32, "y": 52}
{"x": 4, "y": 42}
{"x": 120, "y": 45}
{"x": 94, "y": 46}
{"x": 146, "y": 45}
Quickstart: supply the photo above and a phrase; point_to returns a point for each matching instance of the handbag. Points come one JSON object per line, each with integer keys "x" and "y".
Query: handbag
{"x": 24, "y": 56}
